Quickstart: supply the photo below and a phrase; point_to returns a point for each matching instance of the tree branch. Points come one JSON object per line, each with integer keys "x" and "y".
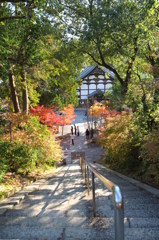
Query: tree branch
{"x": 95, "y": 60}
{"x": 90, "y": 7}
{"x": 13, "y": 1}
{"x": 11, "y": 17}
{"x": 130, "y": 65}
{"x": 108, "y": 66}
{"x": 149, "y": 57}
{"x": 104, "y": 64}
{"x": 141, "y": 84}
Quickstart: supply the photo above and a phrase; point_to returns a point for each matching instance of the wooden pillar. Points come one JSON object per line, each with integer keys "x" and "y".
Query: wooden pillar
{"x": 104, "y": 82}
{"x": 80, "y": 95}
{"x": 88, "y": 88}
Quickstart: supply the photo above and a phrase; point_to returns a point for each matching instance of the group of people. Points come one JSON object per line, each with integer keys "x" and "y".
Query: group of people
{"x": 74, "y": 130}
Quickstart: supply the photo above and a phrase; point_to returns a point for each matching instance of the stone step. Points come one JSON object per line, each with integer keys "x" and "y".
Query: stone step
{"x": 74, "y": 233}
{"x": 136, "y": 201}
{"x": 49, "y": 213}
{"x": 141, "y": 234}
{"x": 58, "y": 222}
{"x": 42, "y": 233}
{"x": 17, "y": 217}
{"x": 142, "y": 222}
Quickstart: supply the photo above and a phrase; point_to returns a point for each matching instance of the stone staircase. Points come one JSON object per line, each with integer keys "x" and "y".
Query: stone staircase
{"x": 141, "y": 208}
{"x": 59, "y": 208}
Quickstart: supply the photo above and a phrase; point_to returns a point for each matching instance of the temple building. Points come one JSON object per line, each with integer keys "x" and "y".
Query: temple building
{"x": 95, "y": 80}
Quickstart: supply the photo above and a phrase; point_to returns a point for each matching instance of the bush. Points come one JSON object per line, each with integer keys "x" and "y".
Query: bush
{"x": 122, "y": 142}
{"x": 150, "y": 156}
{"x": 32, "y": 146}
{"x": 16, "y": 156}
{"x": 48, "y": 149}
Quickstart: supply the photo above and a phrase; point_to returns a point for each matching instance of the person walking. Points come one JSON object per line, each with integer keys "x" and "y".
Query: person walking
{"x": 75, "y": 128}
{"x": 71, "y": 130}
{"x": 87, "y": 134}
{"x": 91, "y": 132}
{"x": 72, "y": 139}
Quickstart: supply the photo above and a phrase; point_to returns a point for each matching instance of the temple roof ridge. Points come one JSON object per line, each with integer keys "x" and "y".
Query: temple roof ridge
{"x": 90, "y": 69}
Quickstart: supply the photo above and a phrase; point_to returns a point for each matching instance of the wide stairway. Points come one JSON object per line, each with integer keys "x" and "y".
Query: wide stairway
{"x": 59, "y": 207}
{"x": 56, "y": 209}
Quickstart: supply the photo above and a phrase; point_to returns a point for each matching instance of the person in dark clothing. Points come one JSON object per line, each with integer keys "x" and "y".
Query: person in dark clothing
{"x": 72, "y": 130}
{"x": 72, "y": 139}
{"x": 75, "y": 128}
{"x": 87, "y": 134}
{"x": 91, "y": 132}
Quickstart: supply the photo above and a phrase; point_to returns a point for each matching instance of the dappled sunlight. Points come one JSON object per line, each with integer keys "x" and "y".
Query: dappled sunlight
{"x": 61, "y": 204}
{"x": 57, "y": 110}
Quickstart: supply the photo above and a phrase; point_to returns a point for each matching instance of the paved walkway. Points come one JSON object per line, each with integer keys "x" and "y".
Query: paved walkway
{"x": 54, "y": 208}
{"x": 59, "y": 208}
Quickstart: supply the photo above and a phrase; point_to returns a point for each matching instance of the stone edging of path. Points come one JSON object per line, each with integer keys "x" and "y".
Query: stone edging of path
{"x": 137, "y": 183}
{"x": 17, "y": 197}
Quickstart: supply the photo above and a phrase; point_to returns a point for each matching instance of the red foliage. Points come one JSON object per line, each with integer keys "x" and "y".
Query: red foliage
{"x": 68, "y": 115}
{"x": 52, "y": 118}
{"x": 110, "y": 113}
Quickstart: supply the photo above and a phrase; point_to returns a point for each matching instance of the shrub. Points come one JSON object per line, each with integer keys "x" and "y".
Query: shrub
{"x": 32, "y": 145}
{"x": 48, "y": 149}
{"x": 150, "y": 155}
{"x": 17, "y": 156}
{"x": 122, "y": 141}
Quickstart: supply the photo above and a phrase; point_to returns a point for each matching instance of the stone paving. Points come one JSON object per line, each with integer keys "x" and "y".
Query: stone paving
{"x": 54, "y": 208}
{"x": 141, "y": 202}
{"x": 59, "y": 207}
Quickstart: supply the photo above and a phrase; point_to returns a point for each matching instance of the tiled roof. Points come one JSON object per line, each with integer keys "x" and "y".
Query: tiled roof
{"x": 86, "y": 71}
{"x": 111, "y": 74}
{"x": 98, "y": 91}
{"x": 89, "y": 69}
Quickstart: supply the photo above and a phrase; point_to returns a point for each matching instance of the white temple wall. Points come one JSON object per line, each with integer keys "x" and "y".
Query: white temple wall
{"x": 92, "y": 86}
{"x": 100, "y": 86}
{"x": 108, "y": 86}
{"x": 101, "y": 77}
{"x": 100, "y": 81}
{"x": 84, "y": 97}
{"x": 84, "y": 86}
{"x": 90, "y": 91}
{"x": 84, "y": 92}
{"x": 91, "y": 77}
{"x": 92, "y": 82}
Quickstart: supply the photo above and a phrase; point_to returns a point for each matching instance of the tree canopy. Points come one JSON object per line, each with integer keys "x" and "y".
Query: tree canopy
{"x": 34, "y": 58}
{"x": 44, "y": 46}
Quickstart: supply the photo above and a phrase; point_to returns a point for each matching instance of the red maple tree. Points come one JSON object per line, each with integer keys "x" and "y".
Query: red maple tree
{"x": 68, "y": 115}
{"x": 53, "y": 119}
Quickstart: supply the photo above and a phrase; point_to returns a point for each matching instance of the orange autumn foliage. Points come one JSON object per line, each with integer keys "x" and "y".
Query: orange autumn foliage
{"x": 52, "y": 118}
{"x": 102, "y": 111}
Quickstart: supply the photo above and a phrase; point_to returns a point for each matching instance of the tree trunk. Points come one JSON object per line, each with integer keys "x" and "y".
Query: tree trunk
{"x": 14, "y": 93}
{"x": 10, "y": 131}
{"x": 124, "y": 90}
{"x": 25, "y": 93}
